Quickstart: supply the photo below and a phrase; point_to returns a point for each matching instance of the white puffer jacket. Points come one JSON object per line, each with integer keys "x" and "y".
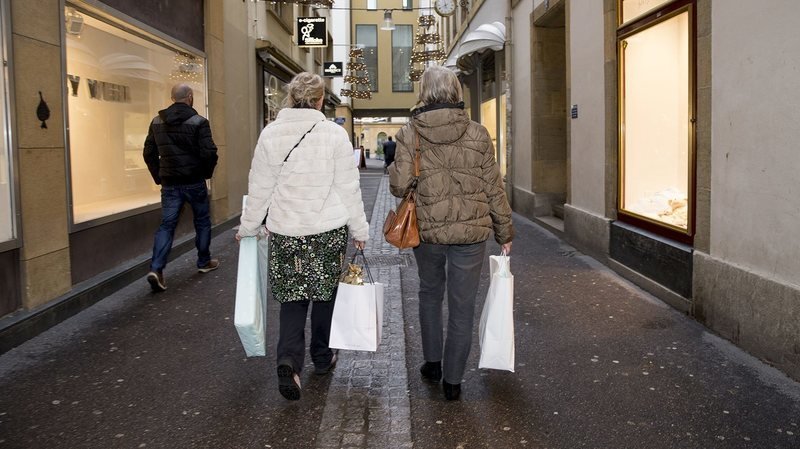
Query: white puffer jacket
{"x": 315, "y": 191}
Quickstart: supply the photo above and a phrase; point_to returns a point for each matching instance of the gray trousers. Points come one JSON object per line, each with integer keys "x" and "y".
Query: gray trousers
{"x": 458, "y": 269}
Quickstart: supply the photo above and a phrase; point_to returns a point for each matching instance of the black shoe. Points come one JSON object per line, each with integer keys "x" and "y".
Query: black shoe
{"x": 451, "y": 391}
{"x": 156, "y": 280}
{"x": 432, "y": 371}
{"x": 211, "y": 265}
{"x": 288, "y": 383}
{"x": 322, "y": 370}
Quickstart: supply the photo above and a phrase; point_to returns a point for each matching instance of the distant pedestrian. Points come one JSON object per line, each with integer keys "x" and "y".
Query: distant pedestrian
{"x": 180, "y": 155}
{"x": 388, "y": 153}
{"x": 303, "y": 175}
{"x": 460, "y": 201}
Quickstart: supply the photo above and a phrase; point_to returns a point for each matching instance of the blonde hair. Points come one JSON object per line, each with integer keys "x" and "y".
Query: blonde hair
{"x": 439, "y": 85}
{"x": 304, "y": 91}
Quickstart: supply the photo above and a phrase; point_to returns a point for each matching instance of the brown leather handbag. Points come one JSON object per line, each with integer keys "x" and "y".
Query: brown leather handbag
{"x": 400, "y": 228}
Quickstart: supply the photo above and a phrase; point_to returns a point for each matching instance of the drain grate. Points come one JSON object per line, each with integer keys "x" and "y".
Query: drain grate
{"x": 402, "y": 260}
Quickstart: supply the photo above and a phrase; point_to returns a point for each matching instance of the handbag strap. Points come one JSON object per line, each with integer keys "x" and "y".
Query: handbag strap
{"x": 301, "y": 139}
{"x": 417, "y": 152}
{"x": 416, "y": 161}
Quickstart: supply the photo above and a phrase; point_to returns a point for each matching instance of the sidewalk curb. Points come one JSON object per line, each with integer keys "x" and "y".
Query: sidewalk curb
{"x": 21, "y": 326}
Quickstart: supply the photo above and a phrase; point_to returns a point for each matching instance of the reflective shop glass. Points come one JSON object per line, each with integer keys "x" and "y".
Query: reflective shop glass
{"x": 367, "y": 36}
{"x": 7, "y": 213}
{"x": 656, "y": 140}
{"x": 274, "y": 95}
{"x": 401, "y": 58}
{"x": 117, "y": 82}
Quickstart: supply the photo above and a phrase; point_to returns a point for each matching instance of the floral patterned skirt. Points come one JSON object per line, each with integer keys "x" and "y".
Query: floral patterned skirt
{"x": 307, "y": 267}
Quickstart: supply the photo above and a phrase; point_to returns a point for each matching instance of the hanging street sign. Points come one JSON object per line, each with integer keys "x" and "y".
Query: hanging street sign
{"x": 332, "y": 69}
{"x": 312, "y": 32}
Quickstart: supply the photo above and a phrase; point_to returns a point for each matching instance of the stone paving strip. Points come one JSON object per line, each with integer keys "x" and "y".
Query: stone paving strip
{"x": 367, "y": 404}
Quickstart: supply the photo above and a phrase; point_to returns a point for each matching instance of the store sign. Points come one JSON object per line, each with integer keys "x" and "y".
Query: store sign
{"x": 312, "y": 32}
{"x": 332, "y": 69}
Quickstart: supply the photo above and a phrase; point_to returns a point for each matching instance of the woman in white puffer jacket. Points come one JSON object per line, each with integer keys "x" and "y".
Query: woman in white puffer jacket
{"x": 304, "y": 180}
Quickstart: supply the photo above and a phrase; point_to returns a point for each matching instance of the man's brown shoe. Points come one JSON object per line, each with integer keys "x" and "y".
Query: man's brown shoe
{"x": 212, "y": 265}
{"x": 156, "y": 280}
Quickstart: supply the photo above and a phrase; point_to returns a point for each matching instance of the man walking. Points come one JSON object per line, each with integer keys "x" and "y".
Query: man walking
{"x": 389, "y": 148}
{"x": 180, "y": 155}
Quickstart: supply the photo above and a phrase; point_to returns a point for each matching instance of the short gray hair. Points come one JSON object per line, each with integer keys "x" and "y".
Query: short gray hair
{"x": 304, "y": 91}
{"x": 439, "y": 85}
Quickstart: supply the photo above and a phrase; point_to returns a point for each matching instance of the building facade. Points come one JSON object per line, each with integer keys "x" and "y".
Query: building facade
{"x": 666, "y": 136}
{"x": 387, "y": 54}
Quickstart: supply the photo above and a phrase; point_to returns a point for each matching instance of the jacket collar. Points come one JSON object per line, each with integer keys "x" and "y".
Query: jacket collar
{"x": 300, "y": 114}
{"x": 435, "y": 106}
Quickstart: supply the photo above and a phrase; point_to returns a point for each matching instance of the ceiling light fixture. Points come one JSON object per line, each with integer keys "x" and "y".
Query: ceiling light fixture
{"x": 388, "y": 23}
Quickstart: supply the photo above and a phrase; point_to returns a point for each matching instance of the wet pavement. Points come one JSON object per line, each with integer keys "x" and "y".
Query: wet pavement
{"x": 600, "y": 364}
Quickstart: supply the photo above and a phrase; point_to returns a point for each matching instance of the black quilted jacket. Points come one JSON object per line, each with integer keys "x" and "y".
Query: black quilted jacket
{"x": 460, "y": 195}
{"x": 179, "y": 149}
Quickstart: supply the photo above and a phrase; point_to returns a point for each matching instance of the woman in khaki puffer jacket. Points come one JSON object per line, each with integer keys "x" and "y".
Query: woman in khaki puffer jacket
{"x": 460, "y": 201}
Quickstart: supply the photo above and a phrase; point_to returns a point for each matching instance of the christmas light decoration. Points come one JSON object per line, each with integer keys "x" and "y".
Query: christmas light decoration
{"x": 317, "y": 3}
{"x": 428, "y": 47}
{"x": 357, "y": 77}
{"x": 188, "y": 68}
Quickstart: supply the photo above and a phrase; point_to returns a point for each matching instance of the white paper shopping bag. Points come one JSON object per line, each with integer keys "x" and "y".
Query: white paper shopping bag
{"x": 357, "y": 322}
{"x": 250, "y": 314}
{"x": 251, "y": 296}
{"x": 497, "y": 319}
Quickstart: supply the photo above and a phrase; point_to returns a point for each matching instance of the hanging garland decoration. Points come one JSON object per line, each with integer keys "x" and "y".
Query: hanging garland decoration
{"x": 357, "y": 77}
{"x": 317, "y": 3}
{"x": 188, "y": 68}
{"x": 428, "y": 47}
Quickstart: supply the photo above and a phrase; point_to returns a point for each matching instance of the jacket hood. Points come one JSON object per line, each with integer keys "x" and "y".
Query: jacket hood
{"x": 441, "y": 123}
{"x": 177, "y": 113}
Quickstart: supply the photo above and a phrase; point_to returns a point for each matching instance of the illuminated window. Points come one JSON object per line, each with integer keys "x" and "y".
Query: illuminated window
{"x": 117, "y": 83}
{"x": 367, "y": 37}
{"x": 401, "y": 58}
{"x": 7, "y": 182}
{"x": 656, "y": 149}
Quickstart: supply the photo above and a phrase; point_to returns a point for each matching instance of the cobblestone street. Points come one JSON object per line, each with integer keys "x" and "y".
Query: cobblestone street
{"x": 600, "y": 364}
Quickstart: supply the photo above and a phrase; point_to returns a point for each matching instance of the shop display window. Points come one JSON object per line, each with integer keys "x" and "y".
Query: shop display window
{"x": 117, "y": 81}
{"x": 7, "y": 182}
{"x": 656, "y": 145}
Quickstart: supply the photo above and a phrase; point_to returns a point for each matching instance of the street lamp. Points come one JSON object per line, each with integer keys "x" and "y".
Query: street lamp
{"x": 388, "y": 23}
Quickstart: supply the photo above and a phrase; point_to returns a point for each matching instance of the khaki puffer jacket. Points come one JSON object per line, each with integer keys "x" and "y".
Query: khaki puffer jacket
{"x": 460, "y": 196}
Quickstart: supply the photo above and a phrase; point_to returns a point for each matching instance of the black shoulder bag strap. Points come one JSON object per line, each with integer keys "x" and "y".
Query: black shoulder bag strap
{"x": 298, "y": 142}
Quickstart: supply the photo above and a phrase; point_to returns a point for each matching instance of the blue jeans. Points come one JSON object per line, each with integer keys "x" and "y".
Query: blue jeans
{"x": 172, "y": 200}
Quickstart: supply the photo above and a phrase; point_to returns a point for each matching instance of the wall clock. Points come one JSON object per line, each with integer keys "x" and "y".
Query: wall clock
{"x": 444, "y": 7}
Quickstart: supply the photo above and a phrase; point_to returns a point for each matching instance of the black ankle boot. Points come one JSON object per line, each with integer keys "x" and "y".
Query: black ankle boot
{"x": 451, "y": 391}
{"x": 432, "y": 371}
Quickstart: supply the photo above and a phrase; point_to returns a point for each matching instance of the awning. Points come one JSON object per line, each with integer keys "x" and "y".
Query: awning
{"x": 489, "y": 36}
